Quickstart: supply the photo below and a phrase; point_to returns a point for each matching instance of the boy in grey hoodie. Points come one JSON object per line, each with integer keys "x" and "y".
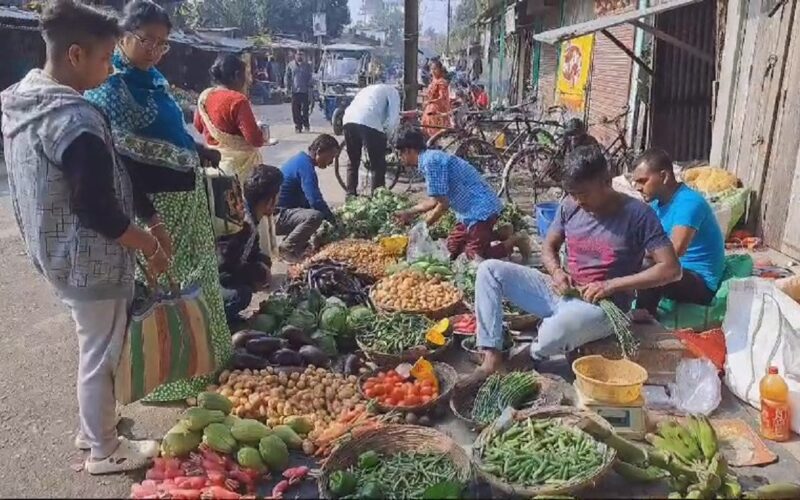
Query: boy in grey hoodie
{"x": 74, "y": 205}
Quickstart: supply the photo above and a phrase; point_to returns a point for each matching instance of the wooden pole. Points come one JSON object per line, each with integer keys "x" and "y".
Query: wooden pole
{"x": 411, "y": 39}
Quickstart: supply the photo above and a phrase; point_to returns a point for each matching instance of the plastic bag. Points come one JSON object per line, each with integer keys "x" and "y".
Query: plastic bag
{"x": 420, "y": 244}
{"x": 697, "y": 387}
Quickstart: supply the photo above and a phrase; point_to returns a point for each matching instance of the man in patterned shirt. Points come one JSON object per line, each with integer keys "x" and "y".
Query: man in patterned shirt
{"x": 452, "y": 183}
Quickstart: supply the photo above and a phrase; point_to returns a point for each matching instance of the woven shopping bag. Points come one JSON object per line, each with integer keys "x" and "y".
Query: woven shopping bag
{"x": 168, "y": 339}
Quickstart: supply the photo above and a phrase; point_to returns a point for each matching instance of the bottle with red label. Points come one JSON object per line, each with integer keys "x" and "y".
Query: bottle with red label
{"x": 774, "y": 406}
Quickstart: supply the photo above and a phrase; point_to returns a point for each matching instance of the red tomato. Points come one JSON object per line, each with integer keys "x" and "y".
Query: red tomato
{"x": 369, "y": 384}
{"x": 426, "y": 391}
{"x": 427, "y": 383}
{"x": 370, "y": 393}
{"x": 381, "y": 374}
{"x": 412, "y": 400}
{"x": 398, "y": 393}
{"x": 425, "y": 399}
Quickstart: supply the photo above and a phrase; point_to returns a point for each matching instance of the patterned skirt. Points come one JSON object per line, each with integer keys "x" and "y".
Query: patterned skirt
{"x": 188, "y": 221}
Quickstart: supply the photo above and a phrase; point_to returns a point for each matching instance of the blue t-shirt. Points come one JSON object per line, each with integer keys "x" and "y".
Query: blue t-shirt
{"x": 451, "y": 177}
{"x": 300, "y": 187}
{"x": 706, "y": 253}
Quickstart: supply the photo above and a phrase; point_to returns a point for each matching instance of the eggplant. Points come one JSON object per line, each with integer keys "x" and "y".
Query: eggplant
{"x": 297, "y": 338}
{"x": 314, "y": 356}
{"x": 242, "y": 360}
{"x": 286, "y": 357}
{"x": 240, "y": 339}
{"x": 352, "y": 364}
{"x": 265, "y": 346}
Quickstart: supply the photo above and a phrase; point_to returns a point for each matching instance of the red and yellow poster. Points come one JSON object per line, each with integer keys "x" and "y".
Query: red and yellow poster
{"x": 573, "y": 72}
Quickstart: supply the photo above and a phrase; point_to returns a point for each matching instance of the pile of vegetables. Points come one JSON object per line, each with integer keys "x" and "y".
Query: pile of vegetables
{"x": 428, "y": 266}
{"x": 366, "y": 217}
{"x": 395, "y": 333}
{"x": 256, "y": 350}
{"x": 501, "y": 391}
{"x": 365, "y": 257}
{"x": 465, "y": 324}
{"x": 333, "y": 279}
{"x": 688, "y": 454}
{"x": 511, "y": 216}
{"x": 392, "y": 389}
{"x": 211, "y": 453}
{"x": 411, "y": 291}
{"x": 276, "y": 397}
{"x": 399, "y": 476}
{"x": 541, "y": 452}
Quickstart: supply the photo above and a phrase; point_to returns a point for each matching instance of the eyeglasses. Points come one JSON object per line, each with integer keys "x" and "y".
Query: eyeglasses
{"x": 152, "y": 45}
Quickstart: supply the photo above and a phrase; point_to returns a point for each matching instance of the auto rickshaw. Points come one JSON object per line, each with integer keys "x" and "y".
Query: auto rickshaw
{"x": 343, "y": 70}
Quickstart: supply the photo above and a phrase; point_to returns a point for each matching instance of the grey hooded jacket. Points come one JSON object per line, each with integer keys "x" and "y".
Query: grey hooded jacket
{"x": 41, "y": 118}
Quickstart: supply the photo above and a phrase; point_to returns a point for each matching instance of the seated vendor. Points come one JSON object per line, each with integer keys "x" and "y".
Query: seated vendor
{"x": 607, "y": 236}
{"x": 243, "y": 269}
{"x": 691, "y": 225}
{"x": 452, "y": 183}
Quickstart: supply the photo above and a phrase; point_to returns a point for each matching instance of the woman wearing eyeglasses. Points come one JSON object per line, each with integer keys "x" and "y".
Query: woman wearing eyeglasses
{"x": 164, "y": 162}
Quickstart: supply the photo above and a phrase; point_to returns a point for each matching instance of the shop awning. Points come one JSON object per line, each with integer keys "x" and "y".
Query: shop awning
{"x": 568, "y": 32}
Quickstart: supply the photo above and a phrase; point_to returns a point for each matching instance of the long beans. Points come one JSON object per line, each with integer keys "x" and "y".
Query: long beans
{"x": 407, "y": 475}
{"x": 541, "y": 452}
{"x": 621, "y": 325}
{"x": 500, "y": 391}
{"x": 395, "y": 333}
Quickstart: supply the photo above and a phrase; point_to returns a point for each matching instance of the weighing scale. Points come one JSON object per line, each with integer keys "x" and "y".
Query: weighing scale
{"x": 628, "y": 420}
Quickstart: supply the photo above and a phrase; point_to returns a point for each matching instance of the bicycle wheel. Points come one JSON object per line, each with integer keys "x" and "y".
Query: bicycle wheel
{"x": 341, "y": 164}
{"x": 483, "y": 156}
{"x": 445, "y": 139}
{"x": 529, "y": 177}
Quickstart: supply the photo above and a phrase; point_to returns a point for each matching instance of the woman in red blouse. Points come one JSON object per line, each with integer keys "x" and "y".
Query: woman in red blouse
{"x": 226, "y": 120}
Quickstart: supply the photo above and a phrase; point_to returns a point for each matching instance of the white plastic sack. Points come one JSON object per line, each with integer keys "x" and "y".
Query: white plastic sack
{"x": 762, "y": 329}
{"x": 697, "y": 388}
{"x": 420, "y": 244}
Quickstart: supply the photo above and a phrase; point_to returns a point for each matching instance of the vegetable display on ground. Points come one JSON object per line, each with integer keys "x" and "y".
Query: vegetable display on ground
{"x": 391, "y": 389}
{"x": 410, "y": 291}
{"x": 364, "y": 256}
{"x": 366, "y": 217}
{"x": 394, "y": 333}
{"x": 428, "y": 266}
{"x": 500, "y": 391}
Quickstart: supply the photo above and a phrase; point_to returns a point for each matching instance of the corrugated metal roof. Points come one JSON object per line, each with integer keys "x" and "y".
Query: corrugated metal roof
{"x": 14, "y": 13}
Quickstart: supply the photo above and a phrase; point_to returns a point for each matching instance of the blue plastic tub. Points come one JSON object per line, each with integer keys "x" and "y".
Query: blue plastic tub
{"x": 545, "y": 213}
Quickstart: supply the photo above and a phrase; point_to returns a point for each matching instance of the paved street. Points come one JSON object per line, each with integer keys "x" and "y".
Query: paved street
{"x": 38, "y": 407}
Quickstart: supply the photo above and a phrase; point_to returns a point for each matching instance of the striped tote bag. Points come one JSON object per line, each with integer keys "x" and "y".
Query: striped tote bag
{"x": 168, "y": 339}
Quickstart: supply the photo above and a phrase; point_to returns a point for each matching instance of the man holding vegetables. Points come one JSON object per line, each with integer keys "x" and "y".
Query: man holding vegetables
{"x": 452, "y": 183}
{"x": 607, "y": 235}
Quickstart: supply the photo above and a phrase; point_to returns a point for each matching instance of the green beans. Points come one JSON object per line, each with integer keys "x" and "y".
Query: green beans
{"x": 395, "y": 333}
{"x": 533, "y": 453}
{"x": 621, "y": 325}
{"x": 501, "y": 391}
{"x": 407, "y": 475}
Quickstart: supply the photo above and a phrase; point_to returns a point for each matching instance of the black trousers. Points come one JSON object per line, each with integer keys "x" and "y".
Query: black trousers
{"x": 356, "y": 136}
{"x": 690, "y": 289}
{"x": 300, "y": 109}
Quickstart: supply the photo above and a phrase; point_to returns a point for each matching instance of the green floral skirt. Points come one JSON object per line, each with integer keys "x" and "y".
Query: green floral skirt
{"x": 188, "y": 221}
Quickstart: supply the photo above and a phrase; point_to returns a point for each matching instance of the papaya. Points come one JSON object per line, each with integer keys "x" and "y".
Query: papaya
{"x": 180, "y": 441}
{"x": 196, "y": 419}
{"x": 214, "y": 401}
{"x": 230, "y": 420}
{"x": 250, "y": 458}
{"x": 219, "y": 438}
{"x": 274, "y": 453}
{"x": 301, "y": 425}
{"x": 288, "y": 436}
{"x": 249, "y": 431}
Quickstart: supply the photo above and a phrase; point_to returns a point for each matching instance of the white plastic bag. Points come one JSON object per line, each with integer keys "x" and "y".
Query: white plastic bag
{"x": 697, "y": 387}
{"x": 420, "y": 244}
{"x": 762, "y": 329}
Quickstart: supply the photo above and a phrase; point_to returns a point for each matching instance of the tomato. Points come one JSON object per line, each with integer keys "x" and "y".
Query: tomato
{"x": 426, "y": 391}
{"x": 370, "y": 393}
{"x": 394, "y": 402}
{"x": 412, "y": 400}
{"x": 379, "y": 389}
{"x": 393, "y": 374}
{"x": 427, "y": 383}
{"x": 425, "y": 399}
{"x": 398, "y": 393}
{"x": 369, "y": 384}
{"x": 381, "y": 374}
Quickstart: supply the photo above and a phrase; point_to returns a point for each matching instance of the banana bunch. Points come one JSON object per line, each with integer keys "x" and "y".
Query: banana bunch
{"x": 694, "y": 447}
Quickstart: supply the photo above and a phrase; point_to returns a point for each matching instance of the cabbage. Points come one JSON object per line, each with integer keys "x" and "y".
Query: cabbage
{"x": 277, "y": 306}
{"x": 315, "y": 301}
{"x": 334, "y": 319}
{"x": 266, "y": 323}
{"x": 335, "y": 301}
{"x": 359, "y": 317}
{"x": 302, "y": 319}
{"x": 326, "y": 342}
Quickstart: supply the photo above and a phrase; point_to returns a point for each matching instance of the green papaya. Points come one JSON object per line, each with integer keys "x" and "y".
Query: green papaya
{"x": 196, "y": 419}
{"x": 214, "y": 401}
{"x": 249, "y": 431}
{"x": 439, "y": 270}
{"x": 180, "y": 441}
{"x": 230, "y": 420}
{"x": 301, "y": 425}
{"x": 250, "y": 458}
{"x": 274, "y": 452}
{"x": 288, "y": 436}
{"x": 219, "y": 438}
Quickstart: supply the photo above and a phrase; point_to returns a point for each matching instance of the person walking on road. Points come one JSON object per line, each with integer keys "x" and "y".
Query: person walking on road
{"x": 301, "y": 206}
{"x": 373, "y": 115}
{"x": 298, "y": 83}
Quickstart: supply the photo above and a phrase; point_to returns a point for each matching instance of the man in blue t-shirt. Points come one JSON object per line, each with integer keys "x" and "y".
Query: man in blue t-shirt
{"x": 691, "y": 225}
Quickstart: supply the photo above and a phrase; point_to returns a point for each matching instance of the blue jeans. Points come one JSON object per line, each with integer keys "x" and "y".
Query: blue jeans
{"x": 567, "y": 323}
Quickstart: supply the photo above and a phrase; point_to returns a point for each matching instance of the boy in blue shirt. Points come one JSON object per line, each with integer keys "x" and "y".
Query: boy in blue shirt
{"x": 301, "y": 207}
{"x": 691, "y": 225}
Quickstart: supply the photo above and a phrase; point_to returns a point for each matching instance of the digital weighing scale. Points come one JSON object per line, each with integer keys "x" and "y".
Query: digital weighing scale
{"x": 628, "y": 420}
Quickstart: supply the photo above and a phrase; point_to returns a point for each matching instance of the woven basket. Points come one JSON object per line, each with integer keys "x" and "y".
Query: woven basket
{"x": 550, "y": 393}
{"x": 408, "y": 356}
{"x": 566, "y": 415}
{"x": 434, "y": 314}
{"x": 447, "y": 377}
{"x": 391, "y": 439}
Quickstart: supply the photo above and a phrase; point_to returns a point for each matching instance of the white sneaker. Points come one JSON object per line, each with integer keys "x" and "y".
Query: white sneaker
{"x": 82, "y": 442}
{"x": 129, "y": 455}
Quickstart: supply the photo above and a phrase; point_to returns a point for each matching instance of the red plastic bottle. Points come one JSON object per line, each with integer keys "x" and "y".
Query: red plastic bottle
{"x": 775, "y": 417}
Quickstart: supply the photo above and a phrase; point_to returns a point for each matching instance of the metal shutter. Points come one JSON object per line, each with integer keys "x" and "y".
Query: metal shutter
{"x": 548, "y": 62}
{"x": 610, "y": 82}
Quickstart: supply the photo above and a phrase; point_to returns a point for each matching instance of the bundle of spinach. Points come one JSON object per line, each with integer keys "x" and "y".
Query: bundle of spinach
{"x": 365, "y": 217}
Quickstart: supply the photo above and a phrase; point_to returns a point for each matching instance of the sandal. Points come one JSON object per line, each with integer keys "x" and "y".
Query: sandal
{"x": 129, "y": 455}
{"x": 82, "y": 442}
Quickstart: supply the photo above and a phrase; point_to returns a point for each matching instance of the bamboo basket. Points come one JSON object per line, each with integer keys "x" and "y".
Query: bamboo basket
{"x": 566, "y": 415}
{"x": 391, "y": 439}
{"x": 435, "y": 314}
{"x": 447, "y": 377}
{"x": 383, "y": 359}
{"x": 462, "y": 399}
